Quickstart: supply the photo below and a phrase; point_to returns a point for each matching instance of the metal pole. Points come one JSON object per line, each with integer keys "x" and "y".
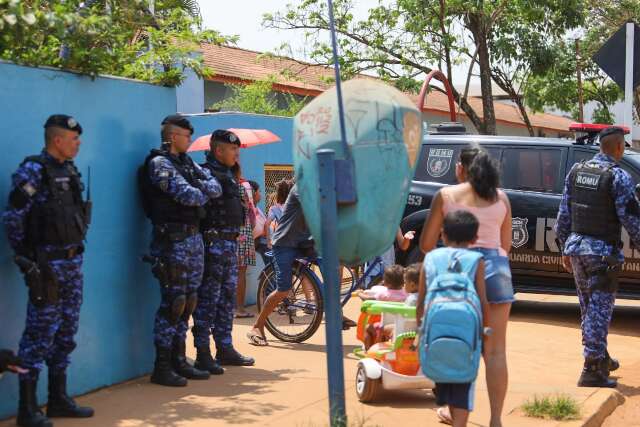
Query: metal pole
{"x": 336, "y": 67}
{"x": 579, "y": 75}
{"x": 628, "y": 81}
{"x": 332, "y": 306}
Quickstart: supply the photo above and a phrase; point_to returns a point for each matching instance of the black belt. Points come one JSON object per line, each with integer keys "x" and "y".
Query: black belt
{"x": 213, "y": 234}
{"x": 58, "y": 254}
{"x": 188, "y": 229}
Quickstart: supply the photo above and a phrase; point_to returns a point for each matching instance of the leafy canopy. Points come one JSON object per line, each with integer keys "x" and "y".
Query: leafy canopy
{"x": 117, "y": 37}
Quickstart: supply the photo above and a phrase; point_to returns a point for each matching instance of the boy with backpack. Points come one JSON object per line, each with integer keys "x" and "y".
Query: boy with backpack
{"x": 453, "y": 300}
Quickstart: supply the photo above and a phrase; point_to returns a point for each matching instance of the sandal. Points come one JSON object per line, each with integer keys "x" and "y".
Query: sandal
{"x": 444, "y": 416}
{"x": 244, "y": 315}
{"x": 255, "y": 338}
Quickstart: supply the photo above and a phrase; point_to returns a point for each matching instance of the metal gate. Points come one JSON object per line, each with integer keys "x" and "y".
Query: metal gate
{"x": 273, "y": 174}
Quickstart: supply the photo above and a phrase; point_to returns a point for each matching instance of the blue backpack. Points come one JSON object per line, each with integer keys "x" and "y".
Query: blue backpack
{"x": 451, "y": 332}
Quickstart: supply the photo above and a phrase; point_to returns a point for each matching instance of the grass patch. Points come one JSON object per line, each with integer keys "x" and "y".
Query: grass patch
{"x": 559, "y": 408}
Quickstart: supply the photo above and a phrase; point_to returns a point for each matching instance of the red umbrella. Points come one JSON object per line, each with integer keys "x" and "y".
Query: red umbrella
{"x": 248, "y": 138}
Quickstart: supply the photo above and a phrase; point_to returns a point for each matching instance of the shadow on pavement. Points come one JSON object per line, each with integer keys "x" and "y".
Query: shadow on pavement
{"x": 238, "y": 400}
{"x": 320, "y": 348}
{"x": 568, "y": 315}
{"x": 404, "y": 399}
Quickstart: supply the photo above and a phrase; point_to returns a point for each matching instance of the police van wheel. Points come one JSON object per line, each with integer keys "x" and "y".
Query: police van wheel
{"x": 299, "y": 316}
{"x": 367, "y": 389}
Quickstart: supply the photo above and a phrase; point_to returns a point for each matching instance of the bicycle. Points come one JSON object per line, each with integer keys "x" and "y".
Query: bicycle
{"x": 300, "y": 314}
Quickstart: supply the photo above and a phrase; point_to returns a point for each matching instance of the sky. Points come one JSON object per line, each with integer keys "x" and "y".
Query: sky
{"x": 244, "y": 18}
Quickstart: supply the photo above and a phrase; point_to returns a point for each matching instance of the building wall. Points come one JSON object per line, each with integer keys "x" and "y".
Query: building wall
{"x": 121, "y": 120}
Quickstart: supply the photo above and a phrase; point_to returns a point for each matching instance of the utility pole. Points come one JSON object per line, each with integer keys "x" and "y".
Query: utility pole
{"x": 628, "y": 81}
{"x": 579, "y": 75}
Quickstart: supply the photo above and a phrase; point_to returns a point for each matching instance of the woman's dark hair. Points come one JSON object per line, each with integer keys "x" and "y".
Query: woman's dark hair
{"x": 254, "y": 185}
{"x": 482, "y": 171}
{"x": 460, "y": 226}
{"x": 282, "y": 190}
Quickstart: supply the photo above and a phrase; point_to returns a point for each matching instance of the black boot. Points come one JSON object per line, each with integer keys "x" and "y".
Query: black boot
{"x": 181, "y": 366}
{"x": 60, "y": 404}
{"x": 29, "y": 415}
{"x": 230, "y": 356}
{"x": 163, "y": 373}
{"x": 205, "y": 362}
{"x": 612, "y": 364}
{"x": 596, "y": 374}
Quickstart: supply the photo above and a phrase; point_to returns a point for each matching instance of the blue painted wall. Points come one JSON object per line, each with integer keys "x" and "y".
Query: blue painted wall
{"x": 121, "y": 123}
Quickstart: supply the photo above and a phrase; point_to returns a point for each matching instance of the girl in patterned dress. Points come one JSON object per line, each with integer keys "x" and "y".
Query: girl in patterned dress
{"x": 246, "y": 246}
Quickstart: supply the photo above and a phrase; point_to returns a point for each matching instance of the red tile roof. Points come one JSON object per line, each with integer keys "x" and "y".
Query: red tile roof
{"x": 235, "y": 65}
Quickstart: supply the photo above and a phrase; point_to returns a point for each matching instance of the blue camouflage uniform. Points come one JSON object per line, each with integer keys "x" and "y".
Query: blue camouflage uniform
{"x": 50, "y": 327}
{"x": 187, "y": 253}
{"x": 217, "y": 295}
{"x": 587, "y": 255}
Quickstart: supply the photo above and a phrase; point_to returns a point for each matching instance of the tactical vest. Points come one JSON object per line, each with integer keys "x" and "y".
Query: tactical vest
{"x": 226, "y": 211}
{"x": 63, "y": 218}
{"x": 593, "y": 209}
{"x": 160, "y": 207}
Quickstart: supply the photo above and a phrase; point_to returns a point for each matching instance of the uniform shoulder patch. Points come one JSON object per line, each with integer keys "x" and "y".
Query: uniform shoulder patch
{"x": 28, "y": 189}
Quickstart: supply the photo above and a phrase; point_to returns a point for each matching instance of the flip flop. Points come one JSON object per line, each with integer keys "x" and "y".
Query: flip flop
{"x": 257, "y": 339}
{"x": 244, "y": 315}
{"x": 444, "y": 416}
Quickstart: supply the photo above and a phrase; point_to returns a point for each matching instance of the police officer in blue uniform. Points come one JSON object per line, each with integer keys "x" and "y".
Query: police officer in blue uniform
{"x": 174, "y": 190}
{"x": 220, "y": 228}
{"x": 46, "y": 222}
{"x": 598, "y": 201}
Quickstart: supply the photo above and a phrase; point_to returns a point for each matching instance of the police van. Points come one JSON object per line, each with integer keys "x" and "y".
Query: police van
{"x": 532, "y": 175}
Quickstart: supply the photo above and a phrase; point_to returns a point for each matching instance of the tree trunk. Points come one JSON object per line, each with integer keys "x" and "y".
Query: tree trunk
{"x": 477, "y": 23}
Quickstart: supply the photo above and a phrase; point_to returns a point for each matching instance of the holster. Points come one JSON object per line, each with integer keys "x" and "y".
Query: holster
{"x": 40, "y": 279}
{"x": 607, "y": 277}
{"x": 167, "y": 273}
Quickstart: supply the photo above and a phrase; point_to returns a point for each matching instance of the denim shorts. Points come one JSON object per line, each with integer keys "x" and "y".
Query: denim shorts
{"x": 284, "y": 257}
{"x": 497, "y": 276}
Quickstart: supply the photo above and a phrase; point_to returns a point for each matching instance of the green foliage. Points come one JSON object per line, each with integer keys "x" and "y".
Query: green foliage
{"x": 259, "y": 98}
{"x": 559, "y": 408}
{"x": 117, "y": 37}
{"x": 556, "y": 85}
{"x": 400, "y": 40}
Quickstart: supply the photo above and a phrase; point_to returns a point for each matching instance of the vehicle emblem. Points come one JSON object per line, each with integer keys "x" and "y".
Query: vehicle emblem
{"x": 439, "y": 161}
{"x": 519, "y": 233}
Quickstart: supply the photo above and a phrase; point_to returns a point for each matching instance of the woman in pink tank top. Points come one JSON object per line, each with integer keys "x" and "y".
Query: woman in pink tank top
{"x": 478, "y": 193}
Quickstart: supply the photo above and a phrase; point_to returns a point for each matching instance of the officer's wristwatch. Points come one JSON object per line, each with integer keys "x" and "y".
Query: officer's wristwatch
{"x": 487, "y": 331}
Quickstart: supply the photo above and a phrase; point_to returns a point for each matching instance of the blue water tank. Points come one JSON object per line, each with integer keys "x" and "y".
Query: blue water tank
{"x": 384, "y": 131}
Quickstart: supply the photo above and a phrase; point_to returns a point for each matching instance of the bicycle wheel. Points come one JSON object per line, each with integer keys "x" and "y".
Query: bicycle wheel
{"x": 299, "y": 315}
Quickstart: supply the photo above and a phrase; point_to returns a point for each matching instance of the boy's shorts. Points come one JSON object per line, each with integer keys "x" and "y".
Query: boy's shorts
{"x": 457, "y": 395}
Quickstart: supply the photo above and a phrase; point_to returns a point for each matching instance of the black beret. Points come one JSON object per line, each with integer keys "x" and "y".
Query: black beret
{"x": 612, "y": 130}
{"x": 63, "y": 121}
{"x": 178, "y": 120}
{"x": 225, "y": 136}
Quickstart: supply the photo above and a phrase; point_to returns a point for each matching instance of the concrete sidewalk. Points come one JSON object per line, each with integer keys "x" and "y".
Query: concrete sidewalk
{"x": 288, "y": 387}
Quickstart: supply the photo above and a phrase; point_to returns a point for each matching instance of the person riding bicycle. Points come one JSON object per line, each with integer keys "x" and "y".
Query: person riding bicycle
{"x": 291, "y": 240}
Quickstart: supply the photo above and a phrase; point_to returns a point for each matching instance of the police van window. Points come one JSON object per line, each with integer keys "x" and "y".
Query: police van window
{"x": 531, "y": 170}
{"x": 437, "y": 163}
{"x": 635, "y": 176}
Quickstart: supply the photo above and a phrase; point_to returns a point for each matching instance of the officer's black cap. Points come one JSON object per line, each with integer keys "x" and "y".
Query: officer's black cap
{"x": 225, "y": 136}
{"x": 178, "y": 120}
{"x": 64, "y": 122}
{"x": 612, "y": 130}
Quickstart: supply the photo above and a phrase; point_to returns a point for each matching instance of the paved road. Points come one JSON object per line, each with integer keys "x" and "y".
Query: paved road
{"x": 287, "y": 387}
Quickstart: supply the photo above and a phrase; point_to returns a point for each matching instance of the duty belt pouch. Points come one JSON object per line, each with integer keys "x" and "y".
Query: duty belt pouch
{"x": 37, "y": 291}
{"x": 607, "y": 277}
